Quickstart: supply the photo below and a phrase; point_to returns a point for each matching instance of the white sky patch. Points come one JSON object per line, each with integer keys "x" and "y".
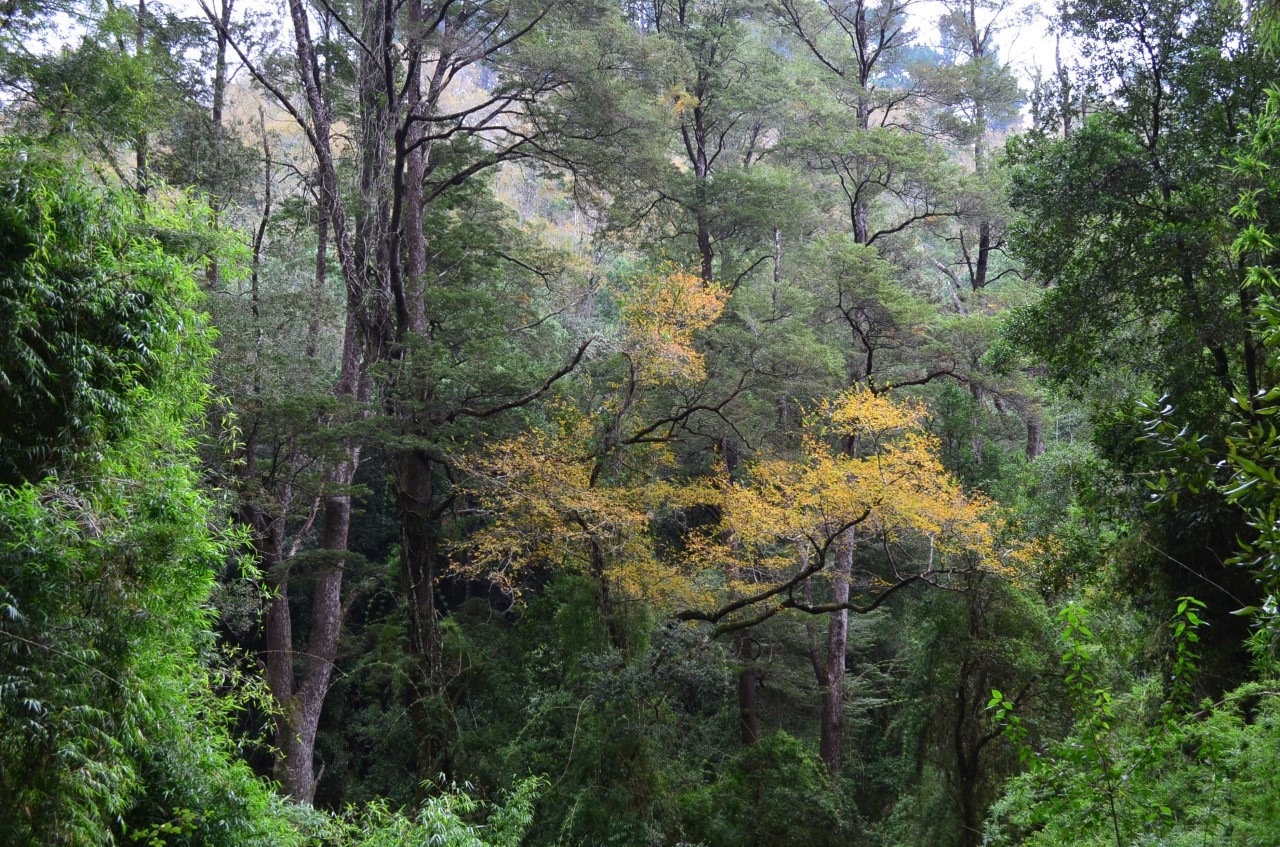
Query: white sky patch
{"x": 1022, "y": 36}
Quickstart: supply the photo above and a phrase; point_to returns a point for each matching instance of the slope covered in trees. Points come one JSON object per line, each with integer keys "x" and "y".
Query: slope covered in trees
{"x": 716, "y": 422}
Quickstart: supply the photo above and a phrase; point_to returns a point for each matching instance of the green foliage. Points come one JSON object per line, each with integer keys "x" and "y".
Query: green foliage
{"x": 1239, "y": 467}
{"x": 92, "y": 313}
{"x": 620, "y": 732}
{"x": 1144, "y": 763}
{"x": 1126, "y": 216}
{"x": 106, "y": 659}
{"x": 952, "y": 753}
{"x": 452, "y": 817}
{"x": 1184, "y": 664}
{"x": 1252, "y": 448}
{"x": 1126, "y": 221}
{"x": 93, "y": 87}
{"x": 1083, "y": 328}
{"x": 1207, "y": 778}
{"x": 775, "y": 792}
{"x": 705, "y": 128}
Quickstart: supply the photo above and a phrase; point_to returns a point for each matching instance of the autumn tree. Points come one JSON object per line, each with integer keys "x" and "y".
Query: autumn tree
{"x": 868, "y": 486}
{"x": 867, "y": 509}
{"x": 582, "y": 495}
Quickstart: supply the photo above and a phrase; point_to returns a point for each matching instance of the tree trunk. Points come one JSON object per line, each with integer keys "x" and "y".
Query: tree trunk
{"x": 415, "y": 492}
{"x": 268, "y": 540}
{"x": 220, "y": 67}
{"x": 861, "y": 222}
{"x": 141, "y": 177}
{"x": 777, "y": 262}
{"x": 302, "y": 710}
{"x": 978, "y": 48}
{"x": 748, "y": 700}
{"x": 979, "y": 393}
{"x": 966, "y": 749}
{"x": 301, "y": 705}
{"x": 695, "y": 145}
{"x": 1035, "y": 437}
{"x": 318, "y": 287}
{"x": 1066, "y": 108}
{"x": 984, "y": 256}
{"x": 705, "y": 250}
{"x": 216, "y": 202}
{"x": 970, "y": 819}
{"x": 832, "y": 727}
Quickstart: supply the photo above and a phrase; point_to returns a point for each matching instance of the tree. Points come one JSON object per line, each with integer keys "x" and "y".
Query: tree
{"x": 583, "y": 496}
{"x": 1127, "y": 222}
{"x": 1239, "y": 467}
{"x": 879, "y": 494}
{"x": 860, "y": 130}
{"x": 719, "y": 192}
{"x": 977, "y": 93}
{"x": 959, "y": 646}
{"x": 417, "y": 146}
{"x": 1151, "y": 163}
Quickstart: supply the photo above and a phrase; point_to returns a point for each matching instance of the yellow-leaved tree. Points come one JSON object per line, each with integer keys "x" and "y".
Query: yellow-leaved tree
{"x": 865, "y": 510}
{"x": 869, "y": 476}
{"x": 660, "y": 315}
{"x": 581, "y": 494}
{"x": 553, "y": 501}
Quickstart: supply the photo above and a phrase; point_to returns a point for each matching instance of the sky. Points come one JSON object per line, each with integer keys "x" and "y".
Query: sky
{"x": 1024, "y": 41}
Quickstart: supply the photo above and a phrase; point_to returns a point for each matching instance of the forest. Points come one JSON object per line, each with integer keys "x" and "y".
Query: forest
{"x": 717, "y": 423}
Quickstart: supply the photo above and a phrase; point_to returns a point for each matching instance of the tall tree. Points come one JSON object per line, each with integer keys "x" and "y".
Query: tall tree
{"x": 863, "y": 135}
{"x": 860, "y": 132}
{"x": 1150, "y": 161}
{"x": 981, "y": 93}
{"x": 868, "y": 480}
{"x": 425, "y": 129}
{"x": 1127, "y": 223}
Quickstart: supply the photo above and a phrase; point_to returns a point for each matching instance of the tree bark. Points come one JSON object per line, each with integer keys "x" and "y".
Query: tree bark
{"x": 696, "y": 147}
{"x": 418, "y": 520}
{"x": 979, "y": 393}
{"x": 322, "y": 647}
{"x": 216, "y": 202}
{"x": 832, "y": 680}
{"x": 1035, "y": 437}
{"x": 984, "y": 256}
{"x": 141, "y": 175}
{"x": 748, "y": 691}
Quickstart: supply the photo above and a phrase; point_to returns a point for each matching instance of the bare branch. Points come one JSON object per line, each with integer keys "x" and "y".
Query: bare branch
{"x": 490, "y": 411}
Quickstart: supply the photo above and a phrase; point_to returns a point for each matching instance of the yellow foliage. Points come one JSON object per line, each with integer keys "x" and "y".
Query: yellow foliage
{"x": 860, "y": 413}
{"x": 681, "y": 100}
{"x": 548, "y": 507}
{"x": 660, "y": 315}
{"x": 868, "y": 475}
{"x": 868, "y": 465}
